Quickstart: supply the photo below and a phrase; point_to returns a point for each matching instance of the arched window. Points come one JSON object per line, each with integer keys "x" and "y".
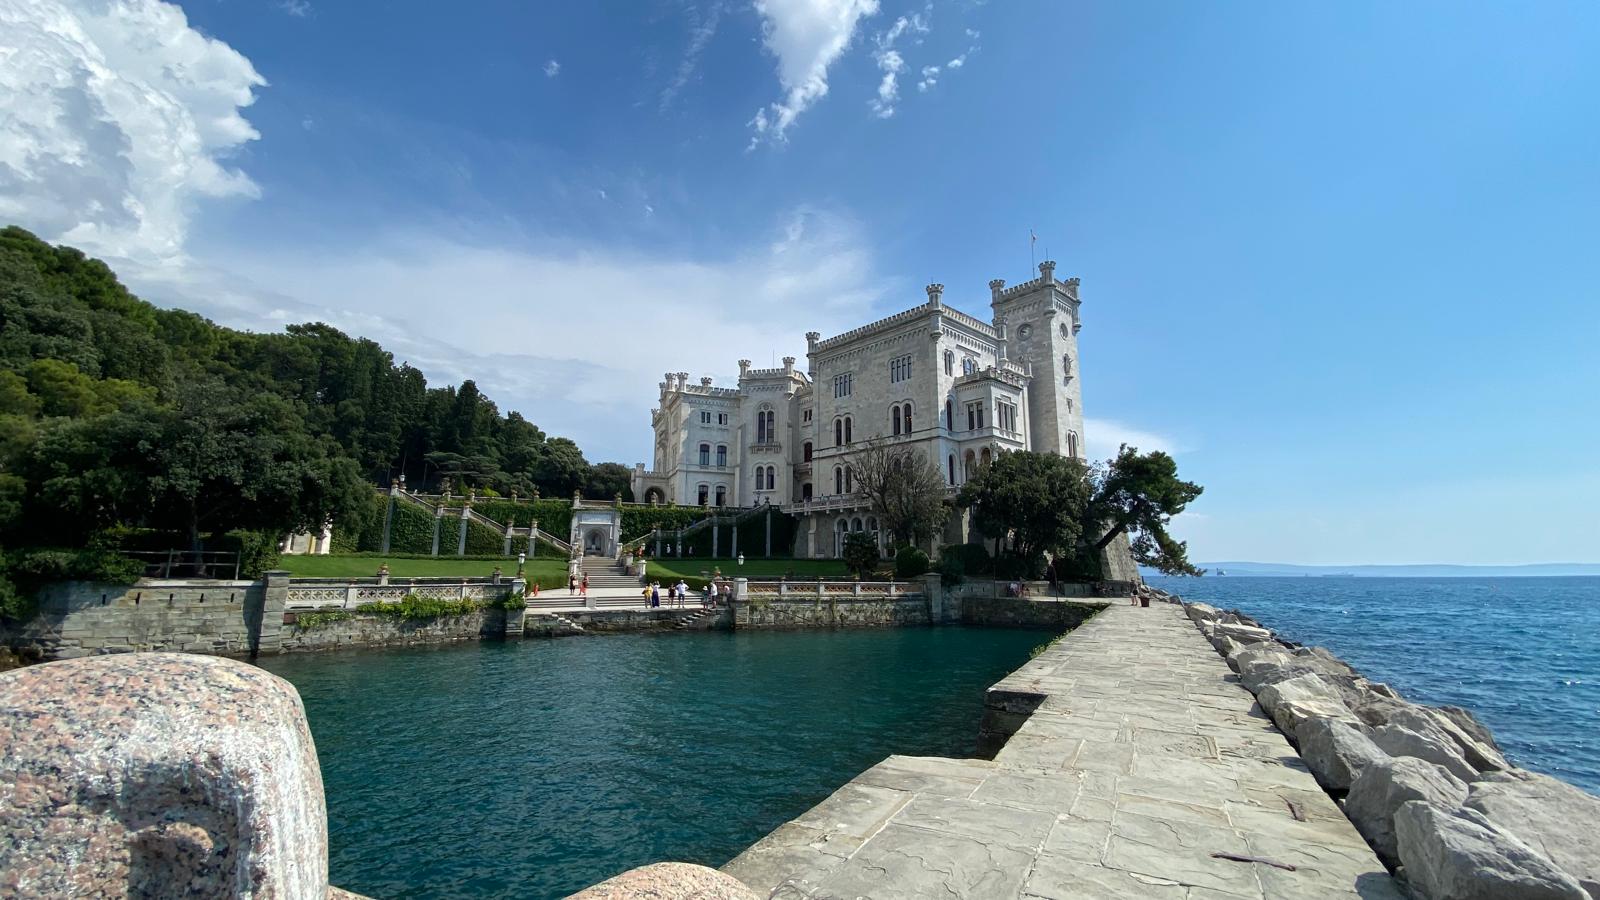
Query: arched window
{"x": 722, "y": 495}
{"x": 855, "y": 524}
{"x": 838, "y": 432}
{"x": 968, "y": 365}
{"x": 766, "y": 426}
{"x": 805, "y": 491}
{"x": 722, "y": 457}
{"x": 705, "y": 454}
{"x": 840, "y": 529}
{"x": 949, "y": 362}
{"x": 838, "y": 480}
{"x": 894, "y": 418}
{"x": 761, "y": 428}
{"x": 1072, "y": 444}
{"x": 986, "y": 457}
{"x": 968, "y": 463}
{"x": 847, "y": 437}
{"x": 703, "y": 494}
{"x": 805, "y": 452}
{"x": 949, "y": 416}
{"x": 772, "y": 477}
{"x": 1066, "y": 368}
{"x": 848, "y": 479}
{"x": 905, "y": 415}
{"x": 952, "y": 469}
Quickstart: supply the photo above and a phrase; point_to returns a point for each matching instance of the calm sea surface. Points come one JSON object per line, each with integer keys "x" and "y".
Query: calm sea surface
{"x": 1521, "y": 653}
{"x": 533, "y": 769}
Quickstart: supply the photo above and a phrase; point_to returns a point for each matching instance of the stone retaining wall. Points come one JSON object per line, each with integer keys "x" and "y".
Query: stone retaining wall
{"x": 1027, "y": 612}
{"x": 830, "y": 613}
{"x": 363, "y": 630}
{"x": 1426, "y": 786}
{"x": 80, "y": 618}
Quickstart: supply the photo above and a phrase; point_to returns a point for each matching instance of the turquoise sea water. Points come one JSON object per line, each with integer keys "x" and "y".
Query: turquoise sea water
{"x": 1522, "y": 653}
{"x": 533, "y": 769}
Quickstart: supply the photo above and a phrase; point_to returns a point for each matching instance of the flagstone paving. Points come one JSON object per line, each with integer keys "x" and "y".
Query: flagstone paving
{"x": 1143, "y": 761}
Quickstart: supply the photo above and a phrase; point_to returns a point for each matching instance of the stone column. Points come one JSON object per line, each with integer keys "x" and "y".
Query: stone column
{"x": 516, "y": 619}
{"x": 734, "y": 553}
{"x": 461, "y": 539}
{"x": 507, "y": 550}
{"x": 533, "y": 538}
{"x": 263, "y": 613}
{"x": 438, "y": 525}
{"x": 714, "y": 538}
{"x": 741, "y": 589}
{"x": 933, "y": 590}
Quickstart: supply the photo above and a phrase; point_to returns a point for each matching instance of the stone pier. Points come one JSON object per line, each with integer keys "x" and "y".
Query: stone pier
{"x": 1136, "y": 767}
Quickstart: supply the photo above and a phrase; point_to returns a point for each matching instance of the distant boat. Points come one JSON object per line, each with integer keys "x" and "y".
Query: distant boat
{"x": 1222, "y": 572}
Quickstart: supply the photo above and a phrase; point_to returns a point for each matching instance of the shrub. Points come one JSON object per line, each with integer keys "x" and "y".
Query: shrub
{"x": 1011, "y": 565}
{"x": 910, "y": 563}
{"x": 258, "y": 551}
{"x": 951, "y": 571}
{"x": 23, "y": 572}
{"x": 413, "y": 608}
{"x": 860, "y": 553}
{"x": 310, "y": 620}
{"x": 512, "y": 602}
{"x": 973, "y": 558}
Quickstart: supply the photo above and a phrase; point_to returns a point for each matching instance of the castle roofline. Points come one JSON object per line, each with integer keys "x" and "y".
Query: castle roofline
{"x": 905, "y": 318}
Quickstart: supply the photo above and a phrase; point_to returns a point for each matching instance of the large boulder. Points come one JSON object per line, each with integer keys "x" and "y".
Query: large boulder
{"x": 1553, "y": 817}
{"x": 1468, "y": 723}
{"x": 158, "y": 774}
{"x": 1335, "y": 750}
{"x": 1461, "y": 855}
{"x": 669, "y": 881}
{"x": 1302, "y": 697}
{"x": 1247, "y": 654}
{"x": 1323, "y": 660}
{"x": 1244, "y": 634}
{"x": 1384, "y": 785}
{"x": 1482, "y": 755}
{"x": 1437, "y": 748}
{"x": 1201, "y": 612}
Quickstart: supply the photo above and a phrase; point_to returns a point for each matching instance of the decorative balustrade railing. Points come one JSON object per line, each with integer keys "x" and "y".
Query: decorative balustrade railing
{"x": 311, "y": 594}
{"x": 833, "y": 590}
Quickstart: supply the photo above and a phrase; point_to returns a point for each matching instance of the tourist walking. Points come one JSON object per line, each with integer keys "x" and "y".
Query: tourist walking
{"x": 572, "y": 584}
{"x": 705, "y": 597}
{"x": 583, "y": 589}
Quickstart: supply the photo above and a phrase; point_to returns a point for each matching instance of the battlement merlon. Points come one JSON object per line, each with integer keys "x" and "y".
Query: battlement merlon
{"x": 1064, "y": 293}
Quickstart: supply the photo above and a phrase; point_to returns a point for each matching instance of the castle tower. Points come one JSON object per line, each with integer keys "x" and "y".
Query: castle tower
{"x": 1039, "y": 321}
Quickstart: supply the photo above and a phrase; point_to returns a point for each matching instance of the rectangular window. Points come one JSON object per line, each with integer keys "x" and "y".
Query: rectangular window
{"x": 705, "y": 418}
{"x": 899, "y": 369}
{"x": 975, "y": 415}
{"x": 722, "y": 457}
{"x": 805, "y": 416}
{"x": 841, "y": 385}
{"x": 722, "y": 418}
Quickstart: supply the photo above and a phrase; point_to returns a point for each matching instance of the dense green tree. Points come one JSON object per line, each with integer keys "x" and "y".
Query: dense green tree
{"x": 116, "y": 413}
{"x": 1037, "y": 500}
{"x": 1137, "y": 494}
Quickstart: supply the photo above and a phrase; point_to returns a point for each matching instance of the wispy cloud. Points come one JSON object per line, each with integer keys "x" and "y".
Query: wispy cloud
{"x": 931, "y": 74}
{"x": 298, "y": 8}
{"x": 552, "y": 68}
{"x": 702, "y": 28}
{"x": 891, "y": 63}
{"x": 1102, "y": 437}
{"x": 807, "y": 37}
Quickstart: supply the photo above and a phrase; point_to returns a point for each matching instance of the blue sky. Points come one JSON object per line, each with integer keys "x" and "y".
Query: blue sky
{"x": 1340, "y": 259}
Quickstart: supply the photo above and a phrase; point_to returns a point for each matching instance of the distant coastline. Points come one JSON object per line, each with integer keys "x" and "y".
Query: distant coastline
{"x": 1260, "y": 569}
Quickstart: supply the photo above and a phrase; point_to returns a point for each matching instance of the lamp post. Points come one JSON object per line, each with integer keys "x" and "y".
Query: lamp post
{"x": 741, "y": 559}
{"x": 522, "y": 561}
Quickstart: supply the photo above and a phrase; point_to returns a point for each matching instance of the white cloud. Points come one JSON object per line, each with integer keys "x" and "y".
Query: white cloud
{"x": 806, "y": 36}
{"x": 930, "y": 77}
{"x": 298, "y": 8}
{"x": 1102, "y": 437}
{"x": 574, "y": 337}
{"x": 552, "y": 68}
{"x": 114, "y": 119}
{"x": 891, "y": 64}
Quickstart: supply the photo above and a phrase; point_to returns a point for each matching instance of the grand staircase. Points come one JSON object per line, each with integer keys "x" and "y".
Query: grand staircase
{"x": 606, "y": 574}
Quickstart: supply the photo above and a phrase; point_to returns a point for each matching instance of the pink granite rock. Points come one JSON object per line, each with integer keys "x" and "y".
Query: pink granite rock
{"x": 158, "y": 774}
{"x": 669, "y": 881}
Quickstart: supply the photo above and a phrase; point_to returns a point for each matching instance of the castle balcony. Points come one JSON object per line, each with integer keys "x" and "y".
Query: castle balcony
{"x": 767, "y": 447}
{"x": 826, "y": 503}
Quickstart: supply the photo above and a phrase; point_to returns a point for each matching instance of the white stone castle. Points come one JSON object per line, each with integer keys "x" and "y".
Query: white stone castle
{"x": 956, "y": 388}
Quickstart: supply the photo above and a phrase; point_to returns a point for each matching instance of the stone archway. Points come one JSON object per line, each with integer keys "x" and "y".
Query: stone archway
{"x": 655, "y": 496}
{"x": 595, "y": 541}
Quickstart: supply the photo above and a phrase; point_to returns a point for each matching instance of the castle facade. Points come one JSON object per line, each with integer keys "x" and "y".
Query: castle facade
{"x": 955, "y": 388}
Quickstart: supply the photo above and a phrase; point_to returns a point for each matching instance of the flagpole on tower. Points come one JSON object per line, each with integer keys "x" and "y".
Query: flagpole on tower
{"x": 1033, "y": 241}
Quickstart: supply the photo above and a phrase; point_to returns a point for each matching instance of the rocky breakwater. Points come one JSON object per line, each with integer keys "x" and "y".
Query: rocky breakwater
{"x": 1426, "y": 786}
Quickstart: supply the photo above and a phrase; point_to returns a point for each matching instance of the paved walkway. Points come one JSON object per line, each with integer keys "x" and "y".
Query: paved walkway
{"x": 1144, "y": 760}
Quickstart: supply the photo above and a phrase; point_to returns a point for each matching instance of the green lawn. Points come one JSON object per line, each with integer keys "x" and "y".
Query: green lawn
{"x": 550, "y": 571}
{"x": 760, "y": 569}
